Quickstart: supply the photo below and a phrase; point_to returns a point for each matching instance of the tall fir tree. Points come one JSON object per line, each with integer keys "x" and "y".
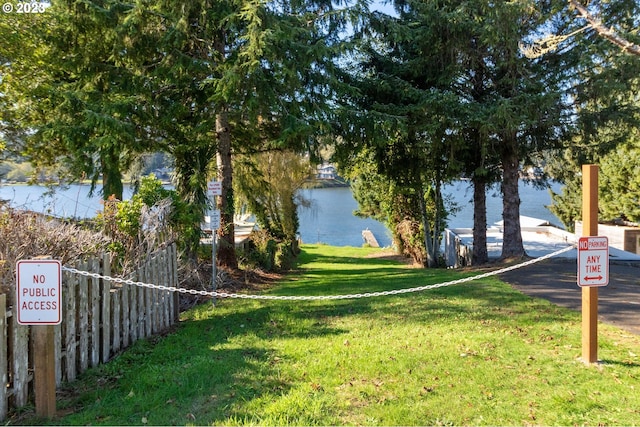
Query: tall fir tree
{"x": 602, "y": 87}
{"x": 69, "y": 103}
{"x": 402, "y": 109}
{"x": 445, "y": 91}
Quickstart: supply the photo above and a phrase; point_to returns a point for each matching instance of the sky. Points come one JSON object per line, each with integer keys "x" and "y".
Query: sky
{"x": 381, "y": 6}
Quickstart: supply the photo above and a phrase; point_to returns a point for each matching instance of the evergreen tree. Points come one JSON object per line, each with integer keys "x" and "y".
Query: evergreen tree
{"x": 408, "y": 114}
{"x": 527, "y": 113}
{"x": 446, "y": 91}
{"x": 66, "y": 98}
{"x": 602, "y": 86}
{"x": 201, "y": 80}
{"x": 619, "y": 183}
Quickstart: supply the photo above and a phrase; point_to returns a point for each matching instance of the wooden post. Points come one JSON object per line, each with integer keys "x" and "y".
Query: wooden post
{"x": 4, "y": 371}
{"x": 44, "y": 366}
{"x": 589, "y": 293}
{"x": 44, "y": 370}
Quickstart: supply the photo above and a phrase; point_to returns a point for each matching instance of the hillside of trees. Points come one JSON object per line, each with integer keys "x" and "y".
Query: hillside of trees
{"x": 255, "y": 93}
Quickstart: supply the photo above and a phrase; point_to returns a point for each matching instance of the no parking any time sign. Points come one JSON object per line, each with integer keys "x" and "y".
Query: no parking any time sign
{"x": 593, "y": 261}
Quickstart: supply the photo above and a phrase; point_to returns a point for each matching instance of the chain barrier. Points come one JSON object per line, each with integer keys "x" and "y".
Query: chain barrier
{"x": 218, "y": 294}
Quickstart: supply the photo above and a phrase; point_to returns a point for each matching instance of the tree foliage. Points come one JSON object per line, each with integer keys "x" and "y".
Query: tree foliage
{"x": 443, "y": 91}
{"x": 620, "y": 184}
{"x": 403, "y": 111}
{"x": 603, "y": 87}
{"x": 269, "y": 185}
{"x": 201, "y": 80}
{"x": 623, "y": 41}
{"x": 437, "y": 91}
{"x": 67, "y": 100}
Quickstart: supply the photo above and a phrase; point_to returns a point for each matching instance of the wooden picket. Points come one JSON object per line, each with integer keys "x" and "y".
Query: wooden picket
{"x": 99, "y": 320}
{"x": 4, "y": 371}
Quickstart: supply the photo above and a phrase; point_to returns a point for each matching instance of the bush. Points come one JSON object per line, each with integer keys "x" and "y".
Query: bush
{"x": 27, "y": 234}
{"x": 286, "y": 254}
{"x": 269, "y": 253}
{"x": 137, "y": 227}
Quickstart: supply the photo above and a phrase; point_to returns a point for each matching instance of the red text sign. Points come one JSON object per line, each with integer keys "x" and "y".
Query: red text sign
{"x": 593, "y": 261}
{"x": 214, "y": 188}
{"x": 39, "y": 292}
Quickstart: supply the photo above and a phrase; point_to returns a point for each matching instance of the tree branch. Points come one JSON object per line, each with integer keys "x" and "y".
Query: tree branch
{"x": 607, "y": 33}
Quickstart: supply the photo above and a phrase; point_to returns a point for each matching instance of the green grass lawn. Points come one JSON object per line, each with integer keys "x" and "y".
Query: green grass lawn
{"x": 479, "y": 353}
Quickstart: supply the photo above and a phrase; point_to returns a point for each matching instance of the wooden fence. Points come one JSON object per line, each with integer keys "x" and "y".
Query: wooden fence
{"x": 99, "y": 319}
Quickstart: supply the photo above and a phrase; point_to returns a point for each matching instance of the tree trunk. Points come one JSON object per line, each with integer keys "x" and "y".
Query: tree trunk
{"x": 437, "y": 221}
{"x": 226, "y": 233}
{"x": 428, "y": 243}
{"x": 111, "y": 175}
{"x": 190, "y": 166}
{"x": 512, "y": 245}
{"x": 479, "y": 254}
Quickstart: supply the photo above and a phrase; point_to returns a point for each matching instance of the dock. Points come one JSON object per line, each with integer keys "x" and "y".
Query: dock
{"x": 369, "y": 238}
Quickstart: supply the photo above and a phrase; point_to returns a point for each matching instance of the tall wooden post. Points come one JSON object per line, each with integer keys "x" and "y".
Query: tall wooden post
{"x": 44, "y": 370}
{"x": 35, "y": 273}
{"x": 590, "y": 293}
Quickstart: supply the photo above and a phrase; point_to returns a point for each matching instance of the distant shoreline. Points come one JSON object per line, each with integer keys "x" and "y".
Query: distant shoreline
{"x": 327, "y": 183}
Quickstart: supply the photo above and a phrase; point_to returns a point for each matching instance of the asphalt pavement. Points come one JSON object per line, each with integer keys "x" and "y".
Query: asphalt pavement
{"x": 555, "y": 280}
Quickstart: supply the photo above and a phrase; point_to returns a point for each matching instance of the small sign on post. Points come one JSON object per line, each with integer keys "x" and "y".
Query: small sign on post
{"x": 214, "y": 188}
{"x": 39, "y": 292}
{"x": 39, "y": 303}
{"x": 593, "y": 261}
{"x": 589, "y": 293}
{"x": 214, "y": 219}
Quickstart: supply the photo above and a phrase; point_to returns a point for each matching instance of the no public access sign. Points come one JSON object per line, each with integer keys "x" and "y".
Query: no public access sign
{"x": 39, "y": 292}
{"x": 214, "y": 188}
{"x": 593, "y": 261}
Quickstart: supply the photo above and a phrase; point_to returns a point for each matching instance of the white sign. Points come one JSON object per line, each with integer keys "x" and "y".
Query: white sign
{"x": 39, "y": 292}
{"x": 593, "y": 261}
{"x": 214, "y": 188}
{"x": 215, "y": 219}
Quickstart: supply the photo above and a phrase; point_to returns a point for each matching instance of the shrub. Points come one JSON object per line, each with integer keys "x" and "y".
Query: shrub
{"x": 152, "y": 217}
{"x": 269, "y": 253}
{"x": 27, "y": 234}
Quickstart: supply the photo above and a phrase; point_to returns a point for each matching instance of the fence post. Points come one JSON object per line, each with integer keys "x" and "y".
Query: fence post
{"x": 44, "y": 367}
{"x": 175, "y": 282}
{"x": 44, "y": 361}
{"x": 106, "y": 309}
{"x": 94, "y": 321}
{"x": 70, "y": 327}
{"x": 4, "y": 375}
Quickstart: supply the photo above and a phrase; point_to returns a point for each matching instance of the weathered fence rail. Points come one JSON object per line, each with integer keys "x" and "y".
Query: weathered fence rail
{"x": 99, "y": 320}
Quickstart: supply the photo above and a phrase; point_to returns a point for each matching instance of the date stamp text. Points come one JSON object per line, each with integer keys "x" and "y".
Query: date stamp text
{"x": 24, "y": 7}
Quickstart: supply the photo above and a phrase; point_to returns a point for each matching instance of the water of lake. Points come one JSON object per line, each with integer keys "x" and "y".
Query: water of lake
{"x": 329, "y": 220}
{"x": 72, "y": 201}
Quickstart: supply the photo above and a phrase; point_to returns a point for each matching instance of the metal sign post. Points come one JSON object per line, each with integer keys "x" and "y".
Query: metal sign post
{"x": 215, "y": 226}
{"x": 214, "y": 273}
{"x": 214, "y": 189}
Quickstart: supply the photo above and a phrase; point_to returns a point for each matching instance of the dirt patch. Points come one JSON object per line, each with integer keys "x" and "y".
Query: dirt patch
{"x": 392, "y": 256}
{"x": 230, "y": 281}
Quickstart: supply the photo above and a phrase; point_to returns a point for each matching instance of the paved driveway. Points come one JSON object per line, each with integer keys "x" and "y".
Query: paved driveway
{"x": 555, "y": 280}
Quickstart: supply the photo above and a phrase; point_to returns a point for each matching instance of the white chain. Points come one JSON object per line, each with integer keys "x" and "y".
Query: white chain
{"x": 218, "y": 294}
